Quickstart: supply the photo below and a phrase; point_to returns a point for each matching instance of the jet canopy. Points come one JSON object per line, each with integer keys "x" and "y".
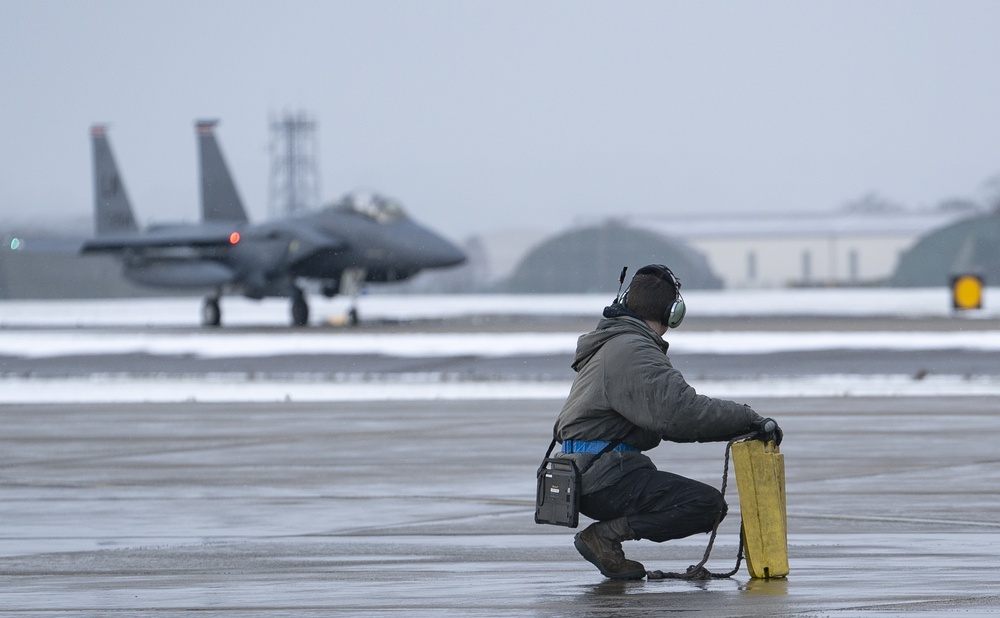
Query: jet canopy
{"x": 378, "y": 208}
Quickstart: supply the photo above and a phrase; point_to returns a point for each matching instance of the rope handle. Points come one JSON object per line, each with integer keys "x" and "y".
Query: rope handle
{"x": 698, "y": 571}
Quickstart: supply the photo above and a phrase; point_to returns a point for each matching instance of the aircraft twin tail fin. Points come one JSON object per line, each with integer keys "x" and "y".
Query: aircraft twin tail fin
{"x": 112, "y": 210}
{"x": 219, "y": 199}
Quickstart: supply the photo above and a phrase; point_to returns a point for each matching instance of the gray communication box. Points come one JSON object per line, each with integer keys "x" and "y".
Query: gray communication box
{"x": 558, "y": 499}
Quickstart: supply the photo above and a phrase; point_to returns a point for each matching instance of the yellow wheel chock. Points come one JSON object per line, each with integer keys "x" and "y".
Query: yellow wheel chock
{"x": 760, "y": 478}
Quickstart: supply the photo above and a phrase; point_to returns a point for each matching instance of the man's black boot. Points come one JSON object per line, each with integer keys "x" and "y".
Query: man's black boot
{"x": 600, "y": 543}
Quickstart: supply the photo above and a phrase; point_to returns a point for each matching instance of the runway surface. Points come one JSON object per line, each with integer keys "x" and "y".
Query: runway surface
{"x": 425, "y": 509}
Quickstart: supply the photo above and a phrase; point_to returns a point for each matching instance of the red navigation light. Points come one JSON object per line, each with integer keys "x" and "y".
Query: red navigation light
{"x": 234, "y": 238}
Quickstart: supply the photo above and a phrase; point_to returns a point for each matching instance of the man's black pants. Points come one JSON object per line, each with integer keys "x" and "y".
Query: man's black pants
{"x": 660, "y": 506}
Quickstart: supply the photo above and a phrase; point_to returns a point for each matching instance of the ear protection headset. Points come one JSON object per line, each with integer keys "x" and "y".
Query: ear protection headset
{"x": 673, "y": 315}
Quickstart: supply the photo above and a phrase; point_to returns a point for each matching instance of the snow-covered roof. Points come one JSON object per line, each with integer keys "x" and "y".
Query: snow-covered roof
{"x": 743, "y": 225}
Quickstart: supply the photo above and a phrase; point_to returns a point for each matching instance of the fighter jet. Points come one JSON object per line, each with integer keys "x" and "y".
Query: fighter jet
{"x": 360, "y": 238}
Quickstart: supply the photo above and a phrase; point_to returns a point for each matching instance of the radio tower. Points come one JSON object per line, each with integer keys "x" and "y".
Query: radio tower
{"x": 294, "y": 184}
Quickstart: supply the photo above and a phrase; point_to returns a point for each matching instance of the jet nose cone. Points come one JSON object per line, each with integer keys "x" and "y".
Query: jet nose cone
{"x": 417, "y": 247}
{"x": 445, "y": 254}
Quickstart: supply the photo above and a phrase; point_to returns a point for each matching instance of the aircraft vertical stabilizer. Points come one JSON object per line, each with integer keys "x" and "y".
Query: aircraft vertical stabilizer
{"x": 112, "y": 211}
{"x": 219, "y": 198}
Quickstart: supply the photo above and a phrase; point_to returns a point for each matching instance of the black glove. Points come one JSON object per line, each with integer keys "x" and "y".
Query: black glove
{"x": 768, "y": 430}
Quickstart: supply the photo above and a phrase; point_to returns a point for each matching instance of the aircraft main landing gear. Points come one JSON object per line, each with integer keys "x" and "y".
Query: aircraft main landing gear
{"x": 300, "y": 309}
{"x": 211, "y": 315}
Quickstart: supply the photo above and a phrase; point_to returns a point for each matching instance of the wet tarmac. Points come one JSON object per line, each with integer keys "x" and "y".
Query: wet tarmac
{"x": 425, "y": 509}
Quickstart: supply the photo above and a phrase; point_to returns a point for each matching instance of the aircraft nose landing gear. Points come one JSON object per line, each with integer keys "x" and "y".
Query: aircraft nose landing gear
{"x": 211, "y": 315}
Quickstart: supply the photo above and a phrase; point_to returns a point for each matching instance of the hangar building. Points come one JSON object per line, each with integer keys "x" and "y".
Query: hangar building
{"x": 969, "y": 246}
{"x": 590, "y": 260}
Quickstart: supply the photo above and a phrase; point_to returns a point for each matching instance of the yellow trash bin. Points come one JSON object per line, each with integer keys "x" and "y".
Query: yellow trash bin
{"x": 760, "y": 478}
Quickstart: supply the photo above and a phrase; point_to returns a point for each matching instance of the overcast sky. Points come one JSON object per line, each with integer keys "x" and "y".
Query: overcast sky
{"x": 483, "y": 116}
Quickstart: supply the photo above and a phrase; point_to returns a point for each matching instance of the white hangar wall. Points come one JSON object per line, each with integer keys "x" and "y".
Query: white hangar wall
{"x": 783, "y": 262}
{"x": 780, "y": 250}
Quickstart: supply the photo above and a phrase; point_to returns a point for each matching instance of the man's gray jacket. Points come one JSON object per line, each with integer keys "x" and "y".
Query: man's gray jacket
{"x": 626, "y": 389}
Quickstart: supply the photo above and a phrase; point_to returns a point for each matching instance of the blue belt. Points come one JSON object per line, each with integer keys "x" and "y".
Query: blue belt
{"x": 592, "y": 446}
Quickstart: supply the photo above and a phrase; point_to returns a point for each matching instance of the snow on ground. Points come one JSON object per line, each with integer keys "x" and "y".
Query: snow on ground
{"x": 186, "y": 312}
{"x": 213, "y": 344}
{"x": 124, "y": 389}
{"x": 23, "y": 333}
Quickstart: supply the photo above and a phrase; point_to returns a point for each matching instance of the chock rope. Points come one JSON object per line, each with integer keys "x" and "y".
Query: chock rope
{"x": 698, "y": 571}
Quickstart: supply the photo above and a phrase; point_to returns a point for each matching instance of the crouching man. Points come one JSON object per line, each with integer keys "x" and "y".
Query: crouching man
{"x": 627, "y": 394}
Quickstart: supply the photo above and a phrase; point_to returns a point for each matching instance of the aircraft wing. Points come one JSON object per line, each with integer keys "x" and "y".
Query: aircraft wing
{"x": 41, "y": 244}
{"x": 161, "y": 239}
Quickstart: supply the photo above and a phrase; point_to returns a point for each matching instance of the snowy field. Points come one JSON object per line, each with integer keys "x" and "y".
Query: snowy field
{"x": 43, "y": 329}
{"x": 215, "y": 344}
{"x": 185, "y": 312}
{"x": 122, "y": 389}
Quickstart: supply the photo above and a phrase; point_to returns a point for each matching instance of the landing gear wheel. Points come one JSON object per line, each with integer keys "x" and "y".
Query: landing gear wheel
{"x": 300, "y": 310}
{"x": 211, "y": 315}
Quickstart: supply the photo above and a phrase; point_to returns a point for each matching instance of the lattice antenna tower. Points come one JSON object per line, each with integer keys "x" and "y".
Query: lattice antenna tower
{"x": 294, "y": 183}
